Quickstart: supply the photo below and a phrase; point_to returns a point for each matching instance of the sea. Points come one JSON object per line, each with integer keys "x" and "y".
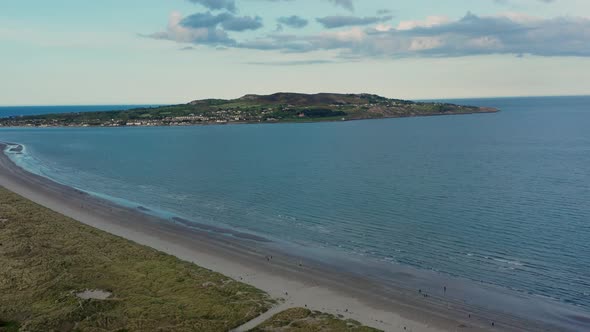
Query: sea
{"x": 498, "y": 199}
{"x": 14, "y": 111}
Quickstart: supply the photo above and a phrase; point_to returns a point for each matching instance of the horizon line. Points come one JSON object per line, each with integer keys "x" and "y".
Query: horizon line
{"x": 410, "y": 99}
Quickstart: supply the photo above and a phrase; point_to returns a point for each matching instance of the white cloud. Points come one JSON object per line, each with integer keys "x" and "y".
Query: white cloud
{"x": 430, "y": 21}
{"x": 179, "y": 33}
{"x": 425, "y": 43}
{"x": 435, "y": 36}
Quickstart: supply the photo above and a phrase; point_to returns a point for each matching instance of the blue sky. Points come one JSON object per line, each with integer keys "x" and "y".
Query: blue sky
{"x": 174, "y": 51}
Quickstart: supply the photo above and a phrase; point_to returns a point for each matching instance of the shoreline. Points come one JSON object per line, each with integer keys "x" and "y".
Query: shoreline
{"x": 311, "y": 285}
{"x": 482, "y": 110}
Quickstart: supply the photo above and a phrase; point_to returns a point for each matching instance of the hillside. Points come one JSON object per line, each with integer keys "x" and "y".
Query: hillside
{"x": 278, "y": 107}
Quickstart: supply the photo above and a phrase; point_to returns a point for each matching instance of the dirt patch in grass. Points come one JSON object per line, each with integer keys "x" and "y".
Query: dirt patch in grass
{"x": 94, "y": 294}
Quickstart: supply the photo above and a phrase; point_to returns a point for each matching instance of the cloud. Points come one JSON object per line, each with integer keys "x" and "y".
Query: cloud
{"x": 505, "y": 34}
{"x": 229, "y": 5}
{"x": 347, "y": 4}
{"x": 435, "y": 36}
{"x": 430, "y": 21}
{"x": 293, "y": 21}
{"x": 331, "y": 22}
{"x": 242, "y": 23}
{"x": 199, "y": 35}
{"x": 227, "y": 21}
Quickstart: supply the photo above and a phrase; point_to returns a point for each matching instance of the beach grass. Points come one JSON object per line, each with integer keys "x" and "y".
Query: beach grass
{"x": 304, "y": 320}
{"x": 46, "y": 259}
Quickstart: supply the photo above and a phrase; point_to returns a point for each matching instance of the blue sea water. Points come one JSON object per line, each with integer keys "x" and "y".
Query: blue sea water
{"x": 502, "y": 199}
{"x": 8, "y": 111}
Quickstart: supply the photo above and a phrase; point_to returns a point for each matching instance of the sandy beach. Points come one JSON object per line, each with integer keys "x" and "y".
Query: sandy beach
{"x": 248, "y": 260}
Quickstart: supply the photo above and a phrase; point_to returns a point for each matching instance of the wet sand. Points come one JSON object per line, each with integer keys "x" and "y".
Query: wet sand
{"x": 246, "y": 258}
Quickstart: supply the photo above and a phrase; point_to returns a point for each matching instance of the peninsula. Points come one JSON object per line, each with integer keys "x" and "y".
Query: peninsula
{"x": 278, "y": 107}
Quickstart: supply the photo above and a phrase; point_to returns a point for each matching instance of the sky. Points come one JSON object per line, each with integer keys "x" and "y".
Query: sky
{"x": 72, "y": 52}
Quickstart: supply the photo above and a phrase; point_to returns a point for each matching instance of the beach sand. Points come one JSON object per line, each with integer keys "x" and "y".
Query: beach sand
{"x": 283, "y": 276}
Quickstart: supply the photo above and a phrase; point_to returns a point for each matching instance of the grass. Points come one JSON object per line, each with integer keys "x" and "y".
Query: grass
{"x": 8, "y": 326}
{"x": 304, "y": 320}
{"x": 47, "y": 258}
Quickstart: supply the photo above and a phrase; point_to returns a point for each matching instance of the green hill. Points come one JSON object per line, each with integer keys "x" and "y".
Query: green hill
{"x": 278, "y": 107}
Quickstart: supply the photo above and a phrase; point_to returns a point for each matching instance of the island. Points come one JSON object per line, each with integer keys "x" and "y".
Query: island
{"x": 278, "y": 107}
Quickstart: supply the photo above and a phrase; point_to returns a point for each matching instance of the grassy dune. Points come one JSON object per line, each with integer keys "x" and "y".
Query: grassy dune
{"x": 304, "y": 320}
{"x": 46, "y": 259}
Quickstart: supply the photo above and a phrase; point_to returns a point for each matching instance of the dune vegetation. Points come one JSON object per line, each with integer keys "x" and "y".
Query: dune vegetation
{"x": 48, "y": 259}
{"x": 304, "y": 320}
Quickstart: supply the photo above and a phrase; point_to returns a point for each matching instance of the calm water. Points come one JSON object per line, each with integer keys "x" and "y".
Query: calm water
{"x": 499, "y": 198}
{"x": 8, "y": 111}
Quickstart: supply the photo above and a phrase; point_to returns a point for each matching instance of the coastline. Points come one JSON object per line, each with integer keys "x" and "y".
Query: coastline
{"x": 482, "y": 110}
{"x": 311, "y": 285}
